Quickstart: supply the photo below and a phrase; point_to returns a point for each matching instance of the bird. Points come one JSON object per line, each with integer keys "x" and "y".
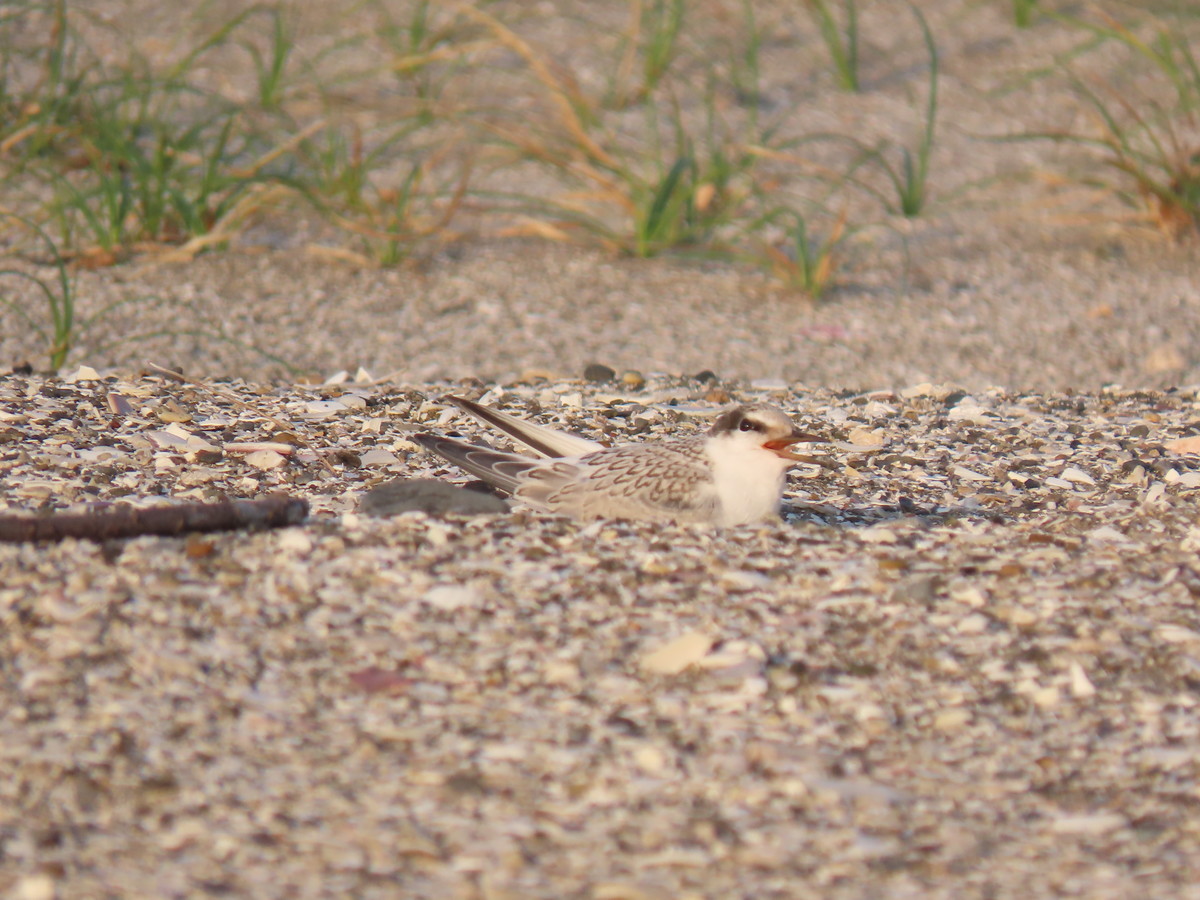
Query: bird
{"x": 732, "y": 474}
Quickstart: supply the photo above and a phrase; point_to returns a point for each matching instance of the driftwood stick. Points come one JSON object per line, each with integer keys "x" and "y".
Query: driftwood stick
{"x": 121, "y": 520}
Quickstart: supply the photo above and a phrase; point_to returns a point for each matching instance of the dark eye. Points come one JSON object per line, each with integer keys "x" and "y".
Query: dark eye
{"x": 747, "y": 425}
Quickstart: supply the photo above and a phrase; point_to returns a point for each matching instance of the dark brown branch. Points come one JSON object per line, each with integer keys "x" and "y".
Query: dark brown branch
{"x": 122, "y": 520}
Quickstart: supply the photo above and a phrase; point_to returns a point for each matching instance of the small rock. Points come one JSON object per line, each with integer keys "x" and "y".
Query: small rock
{"x": 374, "y": 680}
{"x": 951, "y": 719}
{"x": 599, "y": 373}
{"x": 675, "y": 656}
{"x": 34, "y": 887}
{"x": 649, "y": 759}
{"x": 1046, "y": 697}
{"x": 452, "y": 596}
{"x": 118, "y": 405}
{"x": 83, "y": 373}
{"x": 924, "y": 389}
{"x": 769, "y": 384}
{"x": 969, "y": 475}
{"x": 878, "y": 534}
{"x": 1081, "y": 685}
{"x": 718, "y": 395}
{"x": 379, "y": 456}
{"x": 1190, "y": 444}
{"x": 323, "y": 409}
{"x": 976, "y": 623}
{"x": 1097, "y": 823}
{"x": 265, "y": 459}
{"x": 430, "y": 496}
{"x": 633, "y": 380}
{"x": 917, "y": 589}
{"x": 294, "y": 540}
{"x": 866, "y": 437}
{"x": 172, "y": 412}
{"x": 1077, "y": 475}
{"x": 1177, "y": 634}
{"x": 708, "y": 376}
{"x": 558, "y": 671}
{"x": 254, "y": 446}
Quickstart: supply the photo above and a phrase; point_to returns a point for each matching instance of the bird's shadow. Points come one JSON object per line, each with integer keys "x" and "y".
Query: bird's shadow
{"x": 875, "y": 514}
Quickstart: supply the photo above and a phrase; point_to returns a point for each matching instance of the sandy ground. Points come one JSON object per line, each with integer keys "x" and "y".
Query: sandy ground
{"x": 964, "y": 667}
{"x": 1014, "y": 277}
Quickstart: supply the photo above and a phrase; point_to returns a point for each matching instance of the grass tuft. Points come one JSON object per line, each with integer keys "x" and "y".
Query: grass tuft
{"x": 802, "y": 260}
{"x": 842, "y": 44}
{"x": 1023, "y": 12}
{"x": 130, "y": 155}
{"x": 1151, "y": 140}
{"x": 59, "y": 294}
{"x": 909, "y": 177}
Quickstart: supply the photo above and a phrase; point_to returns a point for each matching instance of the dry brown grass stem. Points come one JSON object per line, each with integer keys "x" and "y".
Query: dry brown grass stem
{"x": 565, "y": 97}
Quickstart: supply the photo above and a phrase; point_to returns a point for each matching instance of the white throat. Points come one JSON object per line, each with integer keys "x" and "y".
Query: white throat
{"x": 747, "y": 477}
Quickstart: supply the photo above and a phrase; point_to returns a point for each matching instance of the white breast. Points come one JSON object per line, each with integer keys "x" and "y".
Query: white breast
{"x": 748, "y": 479}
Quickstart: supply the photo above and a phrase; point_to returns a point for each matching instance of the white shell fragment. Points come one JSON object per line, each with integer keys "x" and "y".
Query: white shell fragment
{"x": 675, "y": 656}
{"x": 265, "y": 459}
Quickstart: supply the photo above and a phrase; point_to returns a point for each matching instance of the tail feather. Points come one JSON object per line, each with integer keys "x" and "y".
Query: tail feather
{"x": 501, "y": 470}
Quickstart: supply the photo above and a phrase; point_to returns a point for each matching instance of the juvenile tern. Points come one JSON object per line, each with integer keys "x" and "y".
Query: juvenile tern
{"x": 730, "y": 475}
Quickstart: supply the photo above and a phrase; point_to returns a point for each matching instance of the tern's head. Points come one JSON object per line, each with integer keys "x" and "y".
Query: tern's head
{"x": 760, "y": 425}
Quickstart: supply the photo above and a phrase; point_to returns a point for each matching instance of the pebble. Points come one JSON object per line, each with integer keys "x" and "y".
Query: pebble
{"x": 1096, "y": 823}
{"x": 378, "y": 456}
{"x": 1081, "y": 685}
{"x": 1190, "y": 444}
{"x": 675, "y": 656}
{"x": 265, "y": 459}
{"x": 597, "y": 373}
{"x": 949, "y": 719}
{"x": 83, "y": 373}
{"x": 1077, "y": 475}
{"x": 34, "y": 887}
{"x": 452, "y": 597}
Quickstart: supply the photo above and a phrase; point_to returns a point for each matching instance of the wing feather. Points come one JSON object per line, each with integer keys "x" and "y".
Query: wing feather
{"x": 648, "y": 482}
{"x": 543, "y": 440}
{"x": 505, "y": 471}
